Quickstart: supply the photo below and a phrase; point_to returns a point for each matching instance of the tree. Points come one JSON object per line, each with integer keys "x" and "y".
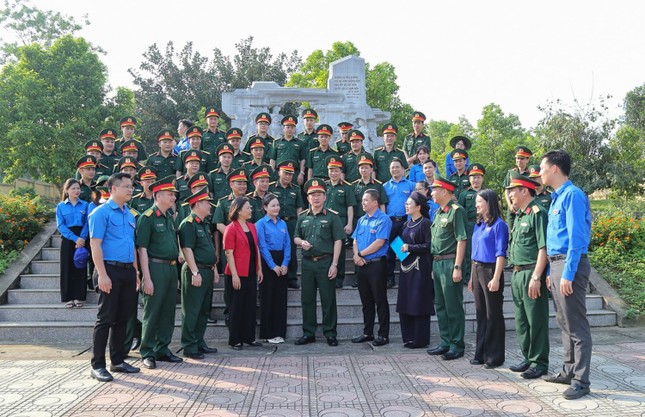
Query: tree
{"x": 314, "y": 72}
{"x": 634, "y": 105}
{"x": 626, "y": 171}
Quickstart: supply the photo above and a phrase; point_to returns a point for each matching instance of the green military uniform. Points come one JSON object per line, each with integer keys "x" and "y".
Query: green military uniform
{"x": 310, "y": 139}
{"x": 266, "y": 141}
{"x": 87, "y": 161}
{"x": 531, "y": 315}
{"x": 317, "y": 161}
{"x": 343, "y": 146}
{"x": 219, "y": 184}
{"x": 256, "y": 200}
{"x": 289, "y": 150}
{"x": 448, "y": 228}
{"x": 462, "y": 181}
{"x": 543, "y": 198}
{"x": 524, "y": 152}
{"x": 206, "y": 163}
{"x": 359, "y": 187}
{"x": 156, "y": 232}
{"x": 321, "y": 230}
{"x": 382, "y": 159}
{"x": 140, "y": 202}
{"x": 412, "y": 142}
{"x": 111, "y": 159}
{"x": 141, "y": 151}
{"x": 165, "y": 166}
{"x": 240, "y": 159}
{"x": 211, "y": 140}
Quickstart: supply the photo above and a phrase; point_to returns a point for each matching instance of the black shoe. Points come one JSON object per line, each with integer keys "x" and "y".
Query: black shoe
{"x": 125, "y": 367}
{"x": 293, "y": 285}
{"x": 207, "y": 349}
{"x": 355, "y": 285}
{"x": 380, "y": 341}
{"x": 149, "y": 362}
{"x": 575, "y": 392}
{"x": 363, "y": 338}
{"x": 332, "y": 341}
{"x": 196, "y": 355}
{"x": 451, "y": 355}
{"x": 101, "y": 375}
{"x": 558, "y": 379}
{"x": 408, "y": 345}
{"x": 170, "y": 358}
{"x": 476, "y": 362}
{"x": 520, "y": 367}
{"x": 305, "y": 339}
{"x": 491, "y": 366}
{"x": 136, "y": 342}
{"x": 339, "y": 284}
{"x": 238, "y": 346}
{"x": 533, "y": 373}
{"x": 254, "y": 343}
{"x": 439, "y": 350}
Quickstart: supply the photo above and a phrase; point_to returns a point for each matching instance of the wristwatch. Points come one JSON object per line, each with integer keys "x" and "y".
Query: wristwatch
{"x": 359, "y": 254}
{"x": 535, "y": 278}
{"x": 195, "y": 273}
{"x": 457, "y": 267}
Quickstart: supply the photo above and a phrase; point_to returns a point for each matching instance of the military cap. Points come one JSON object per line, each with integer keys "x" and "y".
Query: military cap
{"x": 324, "y": 129}
{"x": 224, "y": 148}
{"x": 523, "y": 152}
{"x": 315, "y": 185}
{"x": 345, "y": 126}
{"x": 164, "y": 184}
{"x": 309, "y": 114}
{"x": 256, "y": 143}
{"x": 147, "y": 173}
{"x": 104, "y": 191}
{"x": 198, "y": 180}
{"x": 238, "y": 174}
{"x": 127, "y": 161}
{"x": 197, "y": 196}
{"x": 365, "y": 159}
{"x": 288, "y": 166}
{"x": 194, "y": 131}
{"x": 519, "y": 180}
{"x": 107, "y": 134}
{"x": 459, "y": 154}
{"x": 464, "y": 139}
{"x": 477, "y": 169}
{"x": 417, "y": 115}
{"x": 128, "y": 121}
{"x": 534, "y": 171}
{"x": 129, "y": 146}
{"x": 262, "y": 171}
{"x": 94, "y": 145}
{"x": 263, "y": 117}
{"x": 164, "y": 135}
{"x": 356, "y": 135}
{"x": 289, "y": 121}
{"x": 102, "y": 180}
{"x": 234, "y": 133}
{"x": 334, "y": 162}
{"x": 88, "y": 161}
{"x": 192, "y": 155}
{"x": 441, "y": 182}
{"x": 390, "y": 128}
{"x": 211, "y": 112}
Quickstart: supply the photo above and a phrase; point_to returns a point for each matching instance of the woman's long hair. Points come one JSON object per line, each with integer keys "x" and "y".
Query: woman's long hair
{"x": 494, "y": 212}
{"x": 68, "y": 183}
{"x": 421, "y": 200}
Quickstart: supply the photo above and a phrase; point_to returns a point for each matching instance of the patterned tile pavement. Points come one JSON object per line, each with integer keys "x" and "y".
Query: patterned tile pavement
{"x": 317, "y": 380}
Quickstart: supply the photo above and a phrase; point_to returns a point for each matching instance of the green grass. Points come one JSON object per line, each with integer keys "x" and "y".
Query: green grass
{"x": 6, "y": 258}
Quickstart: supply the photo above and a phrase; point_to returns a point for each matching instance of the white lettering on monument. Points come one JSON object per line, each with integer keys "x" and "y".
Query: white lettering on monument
{"x": 349, "y": 84}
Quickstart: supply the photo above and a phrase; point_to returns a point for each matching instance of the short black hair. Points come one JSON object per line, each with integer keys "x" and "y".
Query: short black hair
{"x": 374, "y": 195}
{"x": 559, "y": 158}
{"x": 431, "y": 161}
{"x": 236, "y": 207}
{"x": 423, "y": 148}
{"x": 268, "y": 198}
{"x": 494, "y": 211}
{"x": 115, "y": 179}
{"x": 396, "y": 159}
{"x": 187, "y": 123}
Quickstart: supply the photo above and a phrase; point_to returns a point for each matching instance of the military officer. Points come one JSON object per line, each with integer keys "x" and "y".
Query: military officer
{"x": 460, "y": 177}
{"x": 191, "y": 161}
{"x": 415, "y": 139}
{"x": 341, "y": 199}
{"x": 109, "y": 155}
{"x": 542, "y": 196}
{"x": 366, "y": 181}
{"x": 291, "y": 204}
{"x": 144, "y": 200}
{"x": 342, "y": 144}
{"x": 95, "y": 148}
{"x": 87, "y": 169}
{"x": 383, "y": 155}
{"x": 206, "y": 164}
{"x": 195, "y": 183}
{"x": 127, "y": 129}
{"x": 356, "y": 138}
{"x": 129, "y": 148}
{"x": 158, "y": 252}
{"x": 198, "y": 274}
{"x": 448, "y": 246}
{"x": 289, "y": 148}
{"x": 309, "y": 135}
{"x": 457, "y": 142}
{"x": 528, "y": 256}
{"x": 261, "y": 177}
{"x": 257, "y": 152}
{"x": 219, "y": 185}
{"x": 262, "y": 122}
{"x": 522, "y": 157}
{"x": 164, "y": 160}
{"x": 466, "y": 199}
{"x": 319, "y": 231}
{"x": 317, "y": 158}
{"x": 234, "y": 138}
{"x": 212, "y": 136}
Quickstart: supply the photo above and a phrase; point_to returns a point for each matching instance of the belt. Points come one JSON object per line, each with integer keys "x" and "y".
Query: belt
{"x": 560, "y": 257}
{"x": 444, "y": 257}
{"x": 520, "y": 268}
{"x": 127, "y": 265}
{"x": 484, "y": 263}
{"x": 204, "y": 266}
{"x": 162, "y": 261}
{"x": 379, "y": 259}
{"x": 398, "y": 218}
{"x": 317, "y": 258}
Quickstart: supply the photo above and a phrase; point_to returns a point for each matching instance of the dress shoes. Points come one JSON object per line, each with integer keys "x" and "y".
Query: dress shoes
{"x": 149, "y": 362}
{"x": 533, "y": 373}
{"x": 520, "y": 367}
{"x": 451, "y": 355}
{"x": 254, "y": 344}
{"x": 574, "y": 392}
{"x": 304, "y": 340}
{"x": 125, "y": 367}
{"x": 238, "y": 346}
{"x": 363, "y": 338}
{"x": 476, "y": 362}
{"x": 332, "y": 341}
{"x": 380, "y": 341}
{"x": 439, "y": 350}
{"x": 136, "y": 342}
{"x": 408, "y": 345}
{"x": 207, "y": 350}
{"x": 339, "y": 285}
{"x": 170, "y": 358}
{"x": 196, "y": 355}
{"x": 558, "y": 379}
{"x": 101, "y": 375}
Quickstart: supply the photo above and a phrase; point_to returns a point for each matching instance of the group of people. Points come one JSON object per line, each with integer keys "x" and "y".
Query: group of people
{"x": 150, "y": 224}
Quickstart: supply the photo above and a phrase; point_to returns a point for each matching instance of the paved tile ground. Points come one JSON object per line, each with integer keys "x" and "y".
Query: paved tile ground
{"x": 317, "y": 380}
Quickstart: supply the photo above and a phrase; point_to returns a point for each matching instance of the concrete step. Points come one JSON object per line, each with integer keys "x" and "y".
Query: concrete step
{"x": 43, "y": 296}
{"x": 55, "y": 241}
{"x": 45, "y": 267}
{"x": 50, "y": 254}
{"x": 40, "y": 281}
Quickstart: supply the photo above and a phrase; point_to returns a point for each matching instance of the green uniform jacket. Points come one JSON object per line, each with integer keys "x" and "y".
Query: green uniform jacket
{"x": 206, "y": 164}
{"x": 544, "y": 199}
{"x": 339, "y": 198}
{"x": 462, "y": 181}
{"x": 359, "y": 188}
{"x": 218, "y": 183}
{"x": 141, "y": 151}
{"x": 268, "y": 144}
{"x": 411, "y": 143}
{"x": 317, "y": 160}
{"x": 342, "y": 147}
{"x": 194, "y": 233}
{"x": 310, "y": 139}
{"x": 256, "y": 206}
{"x": 284, "y": 150}
{"x": 156, "y": 232}
{"x": 211, "y": 140}
{"x": 140, "y": 203}
{"x": 165, "y": 166}
{"x": 350, "y": 160}
{"x": 382, "y": 159}
{"x": 467, "y": 201}
{"x": 528, "y": 234}
{"x": 321, "y": 230}
{"x": 449, "y": 226}
{"x": 290, "y": 199}
{"x": 240, "y": 159}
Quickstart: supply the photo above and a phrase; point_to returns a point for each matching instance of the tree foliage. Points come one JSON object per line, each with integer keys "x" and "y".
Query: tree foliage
{"x": 634, "y": 105}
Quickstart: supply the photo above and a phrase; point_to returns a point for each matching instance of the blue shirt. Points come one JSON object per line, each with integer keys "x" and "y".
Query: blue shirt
{"x": 489, "y": 242}
{"x": 416, "y": 173}
{"x": 569, "y": 229}
{"x": 70, "y": 215}
{"x": 273, "y": 236}
{"x": 368, "y": 229}
{"x": 182, "y": 145}
{"x": 397, "y": 193}
{"x": 115, "y": 227}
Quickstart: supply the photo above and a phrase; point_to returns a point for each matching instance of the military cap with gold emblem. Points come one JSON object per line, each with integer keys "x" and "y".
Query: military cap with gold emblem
{"x": 238, "y": 174}
{"x": 464, "y": 139}
{"x": 129, "y": 146}
{"x": 476, "y": 169}
{"x": 534, "y": 171}
{"x": 519, "y": 180}
{"x": 309, "y": 114}
{"x": 256, "y": 143}
{"x": 365, "y": 159}
{"x": 458, "y": 154}
{"x": 198, "y": 180}
{"x": 88, "y": 161}
{"x": 334, "y": 162}
{"x": 263, "y": 117}
{"x": 523, "y": 152}
{"x": 94, "y": 145}
{"x": 355, "y": 135}
{"x": 289, "y": 121}
{"x": 211, "y": 111}
{"x": 390, "y": 128}
{"x": 288, "y": 166}
{"x": 417, "y": 115}
{"x": 164, "y": 134}
{"x": 197, "y": 196}
{"x": 262, "y": 171}
{"x": 192, "y": 155}
{"x": 128, "y": 121}
{"x": 100, "y": 186}
{"x": 107, "y": 134}
{"x": 164, "y": 184}
{"x": 324, "y": 129}
{"x": 234, "y": 133}
{"x": 315, "y": 185}
{"x": 147, "y": 173}
{"x": 441, "y": 182}
{"x": 194, "y": 131}
{"x": 127, "y": 161}
{"x": 224, "y": 148}
{"x": 345, "y": 126}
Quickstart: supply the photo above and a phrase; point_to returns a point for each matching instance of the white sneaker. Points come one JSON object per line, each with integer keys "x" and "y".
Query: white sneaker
{"x": 276, "y": 340}
{"x": 281, "y": 340}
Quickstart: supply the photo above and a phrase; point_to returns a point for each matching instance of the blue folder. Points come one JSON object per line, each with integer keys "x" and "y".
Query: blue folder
{"x": 396, "y": 247}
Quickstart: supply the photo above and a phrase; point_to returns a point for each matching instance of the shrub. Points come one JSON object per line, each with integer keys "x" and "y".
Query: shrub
{"x": 21, "y": 218}
{"x": 617, "y": 233}
{"x": 23, "y": 191}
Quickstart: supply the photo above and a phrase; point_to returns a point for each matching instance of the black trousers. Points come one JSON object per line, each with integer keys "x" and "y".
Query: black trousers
{"x": 372, "y": 288}
{"x": 73, "y": 281}
{"x": 397, "y": 225}
{"x": 273, "y": 300}
{"x": 491, "y": 336}
{"x": 415, "y": 329}
{"x": 115, "y": 309}
{"x": 241, "y": 310}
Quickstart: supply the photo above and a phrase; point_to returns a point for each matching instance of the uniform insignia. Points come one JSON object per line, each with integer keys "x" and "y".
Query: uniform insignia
{"x": 527, "y": 210}
{"x": 134, "y": 212}
{"x": 556, "y": 211}
{"x": 456, "y": 206}
{"x": 189, "y": 219}
{"x": 333, "y": 211}
{"x": 148, "y": 213}
{"x": 304, "y": 212}
{"x": 536, "y": 209}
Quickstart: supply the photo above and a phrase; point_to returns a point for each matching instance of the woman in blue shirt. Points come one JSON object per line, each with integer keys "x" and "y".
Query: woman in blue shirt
{"x": 275, "y": 248}
{"x": 71, "y": 218}
{"x": 489, "y": 246}
{"x": 416, "y": 171}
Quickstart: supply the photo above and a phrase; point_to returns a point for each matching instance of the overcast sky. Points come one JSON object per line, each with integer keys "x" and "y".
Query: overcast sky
{"x": 452, "y": 57}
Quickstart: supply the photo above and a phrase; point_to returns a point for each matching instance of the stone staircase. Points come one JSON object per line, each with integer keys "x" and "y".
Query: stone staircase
{"x": 33, "y": 311}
